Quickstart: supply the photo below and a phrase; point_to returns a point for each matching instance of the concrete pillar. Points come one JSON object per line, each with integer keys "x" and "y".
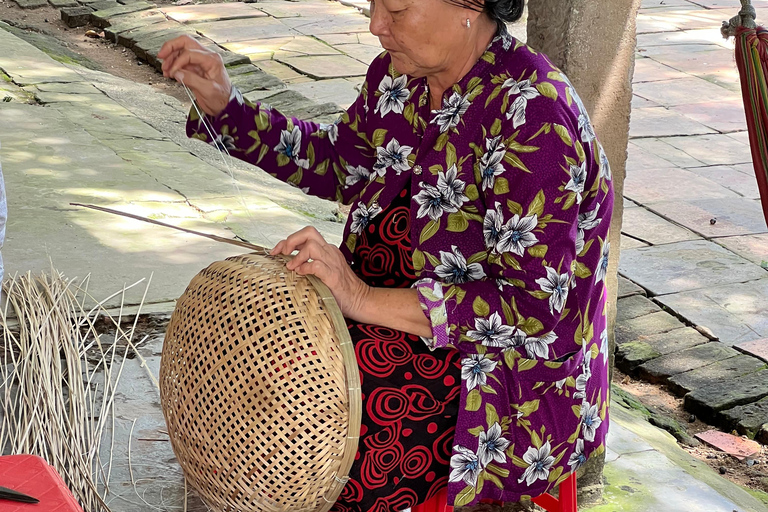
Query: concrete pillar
{"x": 593, "y": 42}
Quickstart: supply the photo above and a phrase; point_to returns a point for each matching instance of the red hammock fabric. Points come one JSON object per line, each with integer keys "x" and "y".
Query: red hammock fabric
{"x": 752, "y": 60}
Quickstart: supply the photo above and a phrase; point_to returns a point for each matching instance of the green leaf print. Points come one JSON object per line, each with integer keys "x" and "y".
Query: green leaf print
{"x": 477, "y": 257}
{"x": 322, "y": 167}
{"x": 501, "y": 186}
{"x": 351, "y": 242}
{"x": 283, "y": 160}
{"x": 311, "y": 154}
{"x": 496, "y": 470}
{"x": 418, "y": 260}
{"x": 555, "y": 474}
{"x": 491, "y": 416}
{"x": 429, "y": 231}
{"x": 582, "y": 271}
{"x": 529, "y": 407}
{"x": 531, "y": 326}
{"x": 471, "y": 192}
{"x": 476, "y": 431}
{"x": 488, "y": 389}
{"x": 538, "y": 251}
{"x": 514, "y": 207}
{"x": 474, "y": 400}
{"x": 515, "y": 162}
{"x": 262, "y": 153}
{"x": 517, "y": 461}
{"x": 379, "y": 135}
{"x": 535, "y": 439}
{"x": 262, "y": 121}
{"x": 526, "y": 364}
{"x": 489, "y": 57}
{"x": 493, "y": 478}
{"x": 562, "y": 131}
{"x": 537, "y": 205}
{"x": 442, "y": 140}
{"x": 555, "y": 75}
{"x": 480, "y": 307}
{"x": 496, "y": 127}
{"x": 508, "y": 315}
{"x": 465, "y": 496}
{"x": 548, "y": 90}
{"x": 450, "y": 155}
{"x": 492, "y": 96}
{"x": 296, "y": 177}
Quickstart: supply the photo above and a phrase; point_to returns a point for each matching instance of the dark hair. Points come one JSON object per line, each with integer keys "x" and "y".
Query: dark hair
{"x": 499, "y": 10}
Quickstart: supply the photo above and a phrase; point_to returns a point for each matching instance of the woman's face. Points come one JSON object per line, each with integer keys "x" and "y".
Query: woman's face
{"x": 420, "y": 35}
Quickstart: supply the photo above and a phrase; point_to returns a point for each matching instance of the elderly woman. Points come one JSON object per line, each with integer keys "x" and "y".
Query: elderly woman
{"x": 472, "y": 271}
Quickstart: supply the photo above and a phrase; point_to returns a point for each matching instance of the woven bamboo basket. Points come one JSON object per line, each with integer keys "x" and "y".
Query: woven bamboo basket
{"x": 260, "y": 388}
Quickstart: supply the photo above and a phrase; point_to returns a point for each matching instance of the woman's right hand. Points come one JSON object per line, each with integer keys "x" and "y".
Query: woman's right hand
{"x": 200, "y": 69}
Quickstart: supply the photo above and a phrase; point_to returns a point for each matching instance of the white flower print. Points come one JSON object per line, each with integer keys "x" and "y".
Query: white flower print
{"x": 583, "y": 379}
{"x": 602, "y": 265}
{"x": 526, "y": 92}
{"x": 464, "y": 466}
{"x": 362, "y": 216}
{"x": 235, "y": 94}
{"x": 393, "y": 95}
{"x": 540, "y": 462}
{"x": 474, "y": 370}
{"x": 453, "y": 268}
{"x": 557, "y": 285}
{"x": 394, "y": 156}
{"x": 518, "y": 234}
{"x": 492, "y": 446}
{"x": 604, "y": 345}
{"x": 491, "y": 331}
{"x": 577, "y": 458}
{"x": 432, "y": 203}
{"x": 586, "y": 221}
{"x": 538, "y": 348}
{"x": 587, "y": 130}
{"x": 224, "y": 142}
{"x": 490, "y": 162}
{"x": 452, "y": 188}
{"x": 578, "y": 180}
{"x": 356, "y": 174}
{"x": 605, "y": 165}
{"x": 332, "y": 130}
{"x": 449, "y": 116}
{"x": 493, "y": 226}
{"x": 590, "y": 420}
{"x": 290, "y": 146}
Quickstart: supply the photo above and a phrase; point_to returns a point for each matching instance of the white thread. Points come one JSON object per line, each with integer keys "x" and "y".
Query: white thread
{"x": 230, "y": 171}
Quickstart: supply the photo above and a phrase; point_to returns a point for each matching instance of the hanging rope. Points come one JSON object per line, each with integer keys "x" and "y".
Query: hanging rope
{"x": 745, "y": 18}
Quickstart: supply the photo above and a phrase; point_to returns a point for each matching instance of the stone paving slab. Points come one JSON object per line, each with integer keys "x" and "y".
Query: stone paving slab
{"x": 649, "y": 70}
{"x": 101, "y": 18}
{"x": 282, "y": 72}
{"x": 755, "y": 348}
{"x": 663, "y": 122}
{"x": 708, "y": 402}
{"x": 76, "y": 16}
{"x": 321, "y": 25}
{"x": 31, "y": 4}
{"x": 631, "y": 243}
{"x": 649, "y": 227}
{"x": 731, "y": 178}
{"x": 634, "y": 307}
{"x": 683, "y": 266}
{"x": 657, "y": 185}
{"x": 243, "y": 30}
{"x": 647, "y": 325}
{"x": 627, "y": 288}
{"x": 718, "y": 149}
{"x": 723, "y": 370}
{"x": 660, "y": 369}
{"x": 751, "y": 247}
{"x": 722, "y": 115}
{"x": 747, "y": 419}
{"x": 665, "y": 155}
{"x": 363, "y": 52}
{"x": 734, "y": 313}
{"x": 631, "y": 354}
{"x": 733, "y": 216}
{"x": 212, "y": 12}
{"x": 682, "y": 91}
{"x": 326, "y": 66}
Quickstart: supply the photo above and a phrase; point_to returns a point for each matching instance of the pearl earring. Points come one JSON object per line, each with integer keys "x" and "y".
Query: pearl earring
{"x": 468, "y": 23}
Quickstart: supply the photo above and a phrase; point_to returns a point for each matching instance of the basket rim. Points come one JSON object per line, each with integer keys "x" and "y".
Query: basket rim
{"x": 353, "y": 388}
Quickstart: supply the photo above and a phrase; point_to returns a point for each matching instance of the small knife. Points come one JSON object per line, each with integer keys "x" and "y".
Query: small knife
{"x": 11, "y": 495}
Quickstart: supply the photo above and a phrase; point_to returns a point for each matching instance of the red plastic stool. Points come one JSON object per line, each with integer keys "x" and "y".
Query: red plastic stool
{"x": 565, "y": 503}
{"x": 33, "y": 476}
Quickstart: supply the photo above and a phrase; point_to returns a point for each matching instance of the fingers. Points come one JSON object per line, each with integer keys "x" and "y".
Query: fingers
{"x": 177, "y": 44}
{"x": 317, "y": 268}
{"x": 298, "y": 239}
{"x": 310, "y": 250}
{"x": 210, "y": 62}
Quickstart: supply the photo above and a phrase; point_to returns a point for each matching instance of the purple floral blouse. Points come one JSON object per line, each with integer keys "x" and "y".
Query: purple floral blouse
{"x": 511, "y": 207}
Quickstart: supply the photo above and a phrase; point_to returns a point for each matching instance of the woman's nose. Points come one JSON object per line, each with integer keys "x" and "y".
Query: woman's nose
{"x": 378, "y": 25}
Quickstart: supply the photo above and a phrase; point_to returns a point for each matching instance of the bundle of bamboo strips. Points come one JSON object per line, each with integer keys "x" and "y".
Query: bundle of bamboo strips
{"x": 59, "y": 370}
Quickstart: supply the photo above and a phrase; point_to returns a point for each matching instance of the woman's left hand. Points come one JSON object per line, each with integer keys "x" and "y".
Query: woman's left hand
{"x": 324, "y": 260}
